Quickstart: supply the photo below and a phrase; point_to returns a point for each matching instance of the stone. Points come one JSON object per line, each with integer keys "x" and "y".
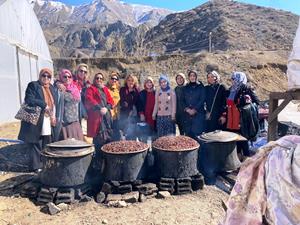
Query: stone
{"x": 86, "y": 198}
{"x": 104, "y": 221}
{"x": 163, "y": 194}
{"x": 131, "y": 197}
{"x": 113, "y": 197}
{"x": 106, "y": 188}
{"x": 118, "y": 204}
{"x": 52, "y": 208}
{"x": 152, "y": 195}
{"x": 121, "y": 204}
{"x": 142, "y": 198}
{"x": 63, "y": 206}
{"x": 115, "y": 183}
{"x": 100, "y": 198}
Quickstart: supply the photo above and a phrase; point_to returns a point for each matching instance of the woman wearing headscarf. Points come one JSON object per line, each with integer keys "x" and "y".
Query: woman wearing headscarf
{"x": 99, "y": 102}
{"x": 147, "y": 101}
{"x": 193, "y": 101}
{"x": 241, "y": 95}
{"x": 81, "y": 81}
{"x": 70, "y": 124}
{"x": 39, "y": 93}
{"x": 165, "y": 108}
{"x": 114, "y": 89}
{"x": 180, "y": 117}
{"x": 215, "y": 100}
{"x": 129, "y": 103}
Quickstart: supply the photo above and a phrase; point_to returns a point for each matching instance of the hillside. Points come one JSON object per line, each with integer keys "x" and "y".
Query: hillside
{"x": 265, "y": 69}
{"x": 233, "y": 26}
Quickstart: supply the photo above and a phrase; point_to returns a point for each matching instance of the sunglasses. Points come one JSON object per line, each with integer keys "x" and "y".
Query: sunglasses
{"x": 114, "y": 78}
{"x": 67, "y": 77}
{"x": 82, "y": 71}
{"x": 46, "y": 76}
{"x": 99, "y": 78}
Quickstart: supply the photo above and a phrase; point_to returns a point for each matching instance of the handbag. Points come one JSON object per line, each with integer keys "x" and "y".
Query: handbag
{"x": 208, "y": 114}
{"x": 29, "y": 114}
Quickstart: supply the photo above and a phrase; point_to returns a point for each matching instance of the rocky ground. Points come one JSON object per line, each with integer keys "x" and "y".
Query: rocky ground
{"x": 201, "y": 207}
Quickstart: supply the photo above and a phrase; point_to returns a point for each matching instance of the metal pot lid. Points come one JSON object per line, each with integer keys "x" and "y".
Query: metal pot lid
{"x": 67, "y": 154}
{"x": 71, "y": 143}
{"x": 219, "y": 136}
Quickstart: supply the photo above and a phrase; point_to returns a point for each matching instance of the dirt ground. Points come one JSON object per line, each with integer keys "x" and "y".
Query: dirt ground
{"x": 201, "y": 207}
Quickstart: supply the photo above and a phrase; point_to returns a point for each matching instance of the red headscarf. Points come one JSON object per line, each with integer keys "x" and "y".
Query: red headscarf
{"x": 70, "y": 87}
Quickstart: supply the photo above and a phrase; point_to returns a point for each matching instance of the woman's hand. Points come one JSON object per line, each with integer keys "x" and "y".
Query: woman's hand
{"x": 153, "y": 117}
{"x": 53, "y": 121}
{"x": 60, "y": 86}
{"x": 222, "y": 120}
{"x": 103, "y": 111}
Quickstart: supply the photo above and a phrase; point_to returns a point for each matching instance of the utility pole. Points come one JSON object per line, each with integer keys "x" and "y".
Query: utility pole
{"x": 209, "y": 42}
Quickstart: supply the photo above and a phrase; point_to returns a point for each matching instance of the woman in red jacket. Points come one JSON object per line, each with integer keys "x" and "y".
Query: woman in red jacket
{"x": 98, "y": 102}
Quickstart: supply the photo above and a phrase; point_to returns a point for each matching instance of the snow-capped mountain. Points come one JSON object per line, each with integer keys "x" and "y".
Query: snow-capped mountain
{"x": 97, "y": 12}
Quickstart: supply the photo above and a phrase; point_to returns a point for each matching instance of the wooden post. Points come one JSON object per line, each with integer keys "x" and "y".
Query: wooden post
{"x": 273, "y": 125}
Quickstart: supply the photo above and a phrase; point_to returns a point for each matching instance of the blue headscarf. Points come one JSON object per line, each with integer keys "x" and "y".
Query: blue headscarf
{"x": 164, "y": 77}
{"x": 238, "y": 78}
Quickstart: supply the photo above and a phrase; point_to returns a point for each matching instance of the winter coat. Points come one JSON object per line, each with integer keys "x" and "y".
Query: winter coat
{"x": 34, "y": 96}
{"x": 216, "y": 108}
{"x": 92, "y": 102}
{"x": 194, "y": 98}
{"x": 128, "y": 116}
{"x": 180, "y": 117}
{"x": 147, "y": 102}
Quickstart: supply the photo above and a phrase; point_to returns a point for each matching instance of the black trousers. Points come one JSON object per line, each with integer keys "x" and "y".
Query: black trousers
{"x": 36, "y": 149}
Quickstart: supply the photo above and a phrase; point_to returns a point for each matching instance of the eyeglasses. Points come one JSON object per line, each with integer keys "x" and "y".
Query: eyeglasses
{"x": 99, "y": 78}
{"x": 114, "y": 78}
{"x": 67, "y": 77}
{"x": 82, "y": 71}
{"x": 46, "y": 76}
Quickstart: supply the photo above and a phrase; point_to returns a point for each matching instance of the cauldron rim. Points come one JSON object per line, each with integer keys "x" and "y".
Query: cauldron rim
{"x": 181, "y": 150}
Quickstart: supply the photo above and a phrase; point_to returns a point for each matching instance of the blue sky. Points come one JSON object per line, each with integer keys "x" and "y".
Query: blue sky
{"x": 180, "y": 5}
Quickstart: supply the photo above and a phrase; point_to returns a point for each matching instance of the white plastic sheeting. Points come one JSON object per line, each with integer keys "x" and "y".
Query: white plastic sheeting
{"x": 23, "y": 52}
{"x": 293, "y": 71}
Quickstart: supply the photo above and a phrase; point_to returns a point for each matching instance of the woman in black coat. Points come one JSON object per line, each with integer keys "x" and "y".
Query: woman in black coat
{"x": 193, "y": 102}
{"x": 180, "y": 114}
{"x": 215, "y": 100}
{"x": 39, "y": 93}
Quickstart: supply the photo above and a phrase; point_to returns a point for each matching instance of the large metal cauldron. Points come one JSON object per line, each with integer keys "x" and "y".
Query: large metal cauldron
{"x": 129, "y": 166}
{"x": 218, "y": 153}
{"x": 66, "y": 163}
{"x": 176, "y": 164}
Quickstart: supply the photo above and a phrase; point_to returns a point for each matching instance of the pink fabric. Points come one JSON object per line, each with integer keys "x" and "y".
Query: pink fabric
{"x": 265, "y": 187}
{"x": 282, "y": 180}
{"x": 72, "y": 87}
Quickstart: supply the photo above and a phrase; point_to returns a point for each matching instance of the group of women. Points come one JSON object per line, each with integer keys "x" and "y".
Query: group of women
{"x": 114, "y": 112}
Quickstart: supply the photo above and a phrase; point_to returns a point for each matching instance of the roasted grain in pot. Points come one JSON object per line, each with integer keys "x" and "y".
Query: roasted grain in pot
{"x": 175, "y": 143}
{"x": 124, "y": 147}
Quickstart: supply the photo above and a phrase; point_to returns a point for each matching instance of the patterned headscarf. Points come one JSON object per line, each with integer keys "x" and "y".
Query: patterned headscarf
{"x": 216, "y": 75}
{"x": 70, "y": 87}
{"x": 238, "y": 78}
